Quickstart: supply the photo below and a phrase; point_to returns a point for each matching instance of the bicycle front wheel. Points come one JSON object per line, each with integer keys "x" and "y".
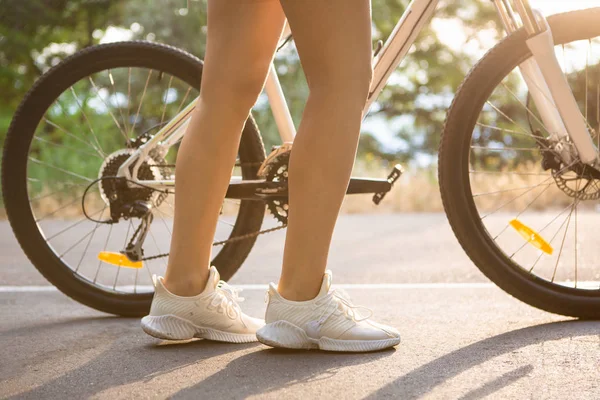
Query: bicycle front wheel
{"x": 527, "y": 221}
{"x": 81, "y": 121}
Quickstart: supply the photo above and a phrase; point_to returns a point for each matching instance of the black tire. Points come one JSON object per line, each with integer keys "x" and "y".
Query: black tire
{"x": 454, "y": 172}
{"x": 124, "y": 54}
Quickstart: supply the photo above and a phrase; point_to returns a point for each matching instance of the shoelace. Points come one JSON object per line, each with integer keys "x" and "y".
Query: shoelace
{"x": 227, "y": 297}
{"x": 349, "y": 309}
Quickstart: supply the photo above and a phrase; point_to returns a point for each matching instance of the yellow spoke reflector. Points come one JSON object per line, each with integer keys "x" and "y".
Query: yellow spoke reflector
{"x": 118, "y": 259}
{"x": 531, "y": 236}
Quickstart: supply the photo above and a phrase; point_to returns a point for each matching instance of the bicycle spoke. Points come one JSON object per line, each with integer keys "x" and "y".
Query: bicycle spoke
{"x": 527, "y": 108}
{"x": 116, "y": 278}
{"x": 35, "y": 160}
{"x": 518, "y": 197}
{"x": 576, "y": 244}
{"x": 162, "y": 118}
{"x": 510, "y": 190}
{"x": 104, "y": 249}
{"x": 523, "y": 130}
{"x": 170, "y": 205}
{"x": 226, "y": 223}
{"x": 73, "y": 136}
{"x": 124, "y": 246}
{"x": 508, "y": 173}
{"x": 183, "y": 101}
{"x": 135, "y": 281}
{"x": 114, "y": 91}
{"x": 518, "y": 215}
{"x": 61, "y": 190}
{"x": 129, "y": 94}
{"x": 72, "y": 226}
{"x": 89, "y": 124}
{"x": 109, "y": 110}
{"x": 562, "y": 244}
{"x": 164, "y": 222}
{"x": 90, "y": 233}
{"x": 141, "y": 102}
{"x": 58, "y": 209}
{"x": 85, "y": 153}
{"x": 157, "y": 247}
{"x": 507, "y": 148}
{"x": 497, "y": 128}
{"x": 543, "y": 229}
{"x": 553, "y": 236}
{"x": 88, "y": 243}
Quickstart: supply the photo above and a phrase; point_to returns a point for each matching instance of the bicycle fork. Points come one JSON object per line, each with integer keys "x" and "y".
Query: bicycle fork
{"x": 548, "y": 86}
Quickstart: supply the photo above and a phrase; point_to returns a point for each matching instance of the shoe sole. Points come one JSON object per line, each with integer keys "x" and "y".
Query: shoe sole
{"x": 288, "y": 336}
{"x": 172, "y": 327}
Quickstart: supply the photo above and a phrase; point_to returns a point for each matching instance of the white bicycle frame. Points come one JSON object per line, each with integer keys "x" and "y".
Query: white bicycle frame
{"x": 542, "y": 74}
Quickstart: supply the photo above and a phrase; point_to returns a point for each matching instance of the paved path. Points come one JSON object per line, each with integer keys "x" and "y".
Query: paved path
{"x": 459, "y": 341}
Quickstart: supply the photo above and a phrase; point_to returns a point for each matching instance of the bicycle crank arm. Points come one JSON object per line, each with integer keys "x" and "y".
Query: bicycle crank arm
{"x": 267, "y": 190}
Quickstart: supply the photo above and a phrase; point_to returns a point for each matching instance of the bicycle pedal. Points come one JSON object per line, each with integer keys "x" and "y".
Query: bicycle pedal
{"x": 119, "y": 260}
{"x": 392, "y": 178}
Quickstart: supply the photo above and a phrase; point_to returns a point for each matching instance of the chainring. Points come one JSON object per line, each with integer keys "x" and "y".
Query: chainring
{"x": 278, "y": 172}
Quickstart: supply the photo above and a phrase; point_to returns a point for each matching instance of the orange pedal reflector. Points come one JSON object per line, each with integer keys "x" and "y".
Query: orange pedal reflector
{"x": 118, "y": 259}
{"x": 531, "y": 236}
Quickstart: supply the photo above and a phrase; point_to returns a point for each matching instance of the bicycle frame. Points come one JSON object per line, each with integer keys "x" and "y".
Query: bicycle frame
{"x": 542, "y": 74}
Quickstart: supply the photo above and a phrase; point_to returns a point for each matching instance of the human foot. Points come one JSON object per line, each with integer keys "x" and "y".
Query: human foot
{"x": 213, "y": 314}
{"x": 327, "y": 322}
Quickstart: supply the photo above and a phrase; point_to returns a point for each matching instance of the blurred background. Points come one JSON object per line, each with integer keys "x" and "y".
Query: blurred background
{"x": 404, "y": 125}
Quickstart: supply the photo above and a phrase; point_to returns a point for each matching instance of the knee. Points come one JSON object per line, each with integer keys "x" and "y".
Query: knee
{"x": 236, "y": 90}
{"x": 350, "y": 83}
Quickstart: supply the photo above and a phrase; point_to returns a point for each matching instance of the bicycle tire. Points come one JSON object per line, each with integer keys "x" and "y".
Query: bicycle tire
{"x": 454, "y": 171}
{"x": 14, "y": 180}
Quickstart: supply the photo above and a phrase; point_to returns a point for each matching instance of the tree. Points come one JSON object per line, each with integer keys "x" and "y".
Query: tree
{"x": 37, "y": 34}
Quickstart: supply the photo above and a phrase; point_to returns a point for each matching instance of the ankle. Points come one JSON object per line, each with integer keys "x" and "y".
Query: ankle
{"x": 296, "y": 294}
{"x": 185, "y": 287}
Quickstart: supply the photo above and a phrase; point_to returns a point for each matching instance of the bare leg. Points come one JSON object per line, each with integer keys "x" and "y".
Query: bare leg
{"x": 241, "y": 40}
{"x": 333, "y": 38}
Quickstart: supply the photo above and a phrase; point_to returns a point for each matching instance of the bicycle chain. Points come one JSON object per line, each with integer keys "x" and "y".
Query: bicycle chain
{"x": 219, "y": 243}
{"x": 224, "y": 242}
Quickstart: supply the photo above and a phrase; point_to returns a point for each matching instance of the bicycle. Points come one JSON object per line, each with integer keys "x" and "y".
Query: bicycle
{"x": 485, "y": 148}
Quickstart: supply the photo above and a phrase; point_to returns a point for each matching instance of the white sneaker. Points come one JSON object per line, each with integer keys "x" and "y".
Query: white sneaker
{"x": 327, "y": 322}
{"x": 213, "y": 314}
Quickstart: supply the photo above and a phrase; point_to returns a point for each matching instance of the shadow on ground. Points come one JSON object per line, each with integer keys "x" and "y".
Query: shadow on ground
{"x": 422, "y": 380}
{"x": 130, "y": 357}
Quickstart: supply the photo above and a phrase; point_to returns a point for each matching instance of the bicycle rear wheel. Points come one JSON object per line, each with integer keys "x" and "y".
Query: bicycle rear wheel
{"x": 80, "y": 121}
{"x": 493, "y": 170}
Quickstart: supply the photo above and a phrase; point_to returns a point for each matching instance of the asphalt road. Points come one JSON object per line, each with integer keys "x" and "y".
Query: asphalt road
{"x": 466, "y": 341}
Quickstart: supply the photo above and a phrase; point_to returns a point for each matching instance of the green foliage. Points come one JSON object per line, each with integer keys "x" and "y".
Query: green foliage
{"x": 28, "y": 30}
{"x": 37, "y": 34}
{"x": 33, "y": 35}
